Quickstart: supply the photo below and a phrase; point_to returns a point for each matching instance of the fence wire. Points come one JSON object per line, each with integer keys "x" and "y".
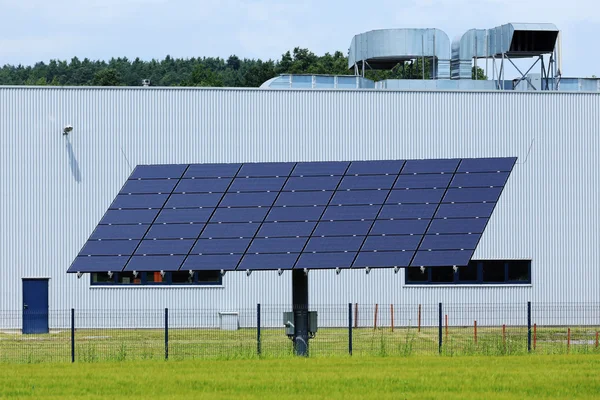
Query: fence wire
{"x": 340, "y": 330}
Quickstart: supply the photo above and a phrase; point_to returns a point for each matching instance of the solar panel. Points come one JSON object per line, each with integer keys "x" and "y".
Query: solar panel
{"x": 297, "y": 215}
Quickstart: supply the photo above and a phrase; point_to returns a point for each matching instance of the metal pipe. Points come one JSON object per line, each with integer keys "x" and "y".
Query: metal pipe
{"x": 300, "y": 309}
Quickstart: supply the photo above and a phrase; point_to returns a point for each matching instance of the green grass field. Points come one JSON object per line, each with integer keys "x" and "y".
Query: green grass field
{"x": 477, "y": 377}
{"x": 185, "y": 344}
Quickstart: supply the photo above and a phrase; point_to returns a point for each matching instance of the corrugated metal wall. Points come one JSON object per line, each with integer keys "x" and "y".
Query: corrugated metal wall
{"x": 54, "y": 189}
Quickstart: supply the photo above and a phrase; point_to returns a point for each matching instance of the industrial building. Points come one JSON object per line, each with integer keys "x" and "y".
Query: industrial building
{"x": 66, "y": 153}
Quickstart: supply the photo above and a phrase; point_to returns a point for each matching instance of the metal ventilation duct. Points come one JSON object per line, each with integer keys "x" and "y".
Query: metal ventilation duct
{"x": 510, "y": 40}
{"x": 385, "y": 48}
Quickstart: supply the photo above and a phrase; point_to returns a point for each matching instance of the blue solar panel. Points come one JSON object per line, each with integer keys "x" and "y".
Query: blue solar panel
{"x": 294, "y": 214}
{"x": 480, "y": 179}
{"x": 194, "y": 200}
{"x": 303, "y": 215}
{"x": 392, "y": 167}
{"x": 127, "y": 201}
{"x": 154, "y": 263}
{"x": 423, "y": 181}
{"x": 458, "y": 225}
{"x": 383, "y": 259}
{"x": 320, "y": 168}
{"x": 98, "y": 264}
{"x": 407, "y": 211}
{"x": 312, "y": 183}
{"x": 470, "y": 195}
{"x": 359, "y": 197}
{"x": 450, "y": 242}
{"x": 248, "y": 199}
{"x": 149, "y": 186}
{"x": 464, "y": 210}
{"x": 119, "y": 232}
{"x": 277, "y": 245}
{"x": 257, "y": 184}
{"x": 208, "y": 185}
{"x": 221, "y": 246}
{"x": 158, "y": 171}
{"x": 320, "y": 198}
{"x": 487, "y": 165}
{"x": 430, "y": 166}
{"x": 286, "y": 229}
{"x": 442, "y": 258}
{"x": 391, "y": 243}
{"x": 350, "y": 213}
{"x": 252, "y": 214}
{"x": 230, "y": 230}
{"x": 185, "y": 215}
{"x": 329, "y": 244}
{"x": 174, "y": 231}
{"x": 367, "y": 182}
{"x": 109, "y": 247}
{"x": 325, "y": 260}
{"x": 164, "y": 247}
{"x": 211, "y": 262}
{"x": 122, "y": 217}
{"x": 400, "y": 227}
{"x": 267, "y": 261}
{"x": 266, "y": 169}
{"x": 342, "y": 228}
{"x": 212, "y": 170}
{"x": 418, "y": 196}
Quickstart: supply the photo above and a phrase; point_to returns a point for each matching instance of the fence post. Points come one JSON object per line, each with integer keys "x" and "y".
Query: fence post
{"x": 356, "y": 315}
{"x": 258, "y": 344}
{"x": 529, "y": 326}
{"x": 440, "y": 329}
{"x": 376, "y": 312}
{"x": 392, "y": 314}
{"x": 350, "y": 328}
{"x": 419, "y": 319}
{"x": 166, "y": 333}
{"x": 534, "y": 336}
{"x": 72, "y": 335}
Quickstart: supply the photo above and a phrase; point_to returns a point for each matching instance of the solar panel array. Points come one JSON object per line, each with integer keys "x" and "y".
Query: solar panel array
{"x": 316, "y": 215}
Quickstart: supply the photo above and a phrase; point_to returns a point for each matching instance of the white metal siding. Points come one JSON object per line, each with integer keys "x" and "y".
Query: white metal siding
{"x": 55, "y": 189}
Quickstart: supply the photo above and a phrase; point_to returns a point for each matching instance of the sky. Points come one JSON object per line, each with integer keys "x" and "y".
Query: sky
{"x": 40, "y": 30}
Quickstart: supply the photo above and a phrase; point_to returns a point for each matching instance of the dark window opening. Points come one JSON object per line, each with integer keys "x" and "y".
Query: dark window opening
{"x": 493, "y": 272}
{"x": 128, "y": 278}
{"x": 155, "y": 277}
{"x": 442, "y": 275}
{"x": 102, "y": 277}
{"x": 416, "y": 275}
{"x": 200, "y": 278}
{"x": 468, "y": 273}
{"x": 209, "y": 277}
{"x": 182, "y": 277}
{"x": 497, "y": 272}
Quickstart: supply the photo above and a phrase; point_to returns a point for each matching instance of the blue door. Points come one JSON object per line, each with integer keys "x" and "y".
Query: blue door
{"x": 35, "y": 305}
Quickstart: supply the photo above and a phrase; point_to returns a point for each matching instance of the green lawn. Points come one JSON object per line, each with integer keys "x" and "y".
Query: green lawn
{"x": 476, "y": 377}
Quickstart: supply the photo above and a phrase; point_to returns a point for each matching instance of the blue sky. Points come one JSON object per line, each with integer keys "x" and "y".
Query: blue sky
{"x": 34, "y": 30}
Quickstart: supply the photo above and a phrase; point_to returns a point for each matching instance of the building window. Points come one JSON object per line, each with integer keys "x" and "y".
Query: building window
{"x": 125, "y": 278}
{"x": 496, "y": 272}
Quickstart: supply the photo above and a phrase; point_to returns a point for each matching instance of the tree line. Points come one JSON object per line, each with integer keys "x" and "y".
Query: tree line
{"x": 205, "y": 71}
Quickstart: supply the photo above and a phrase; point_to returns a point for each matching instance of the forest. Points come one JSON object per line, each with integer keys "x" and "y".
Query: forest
{"x": 205, "y": 71}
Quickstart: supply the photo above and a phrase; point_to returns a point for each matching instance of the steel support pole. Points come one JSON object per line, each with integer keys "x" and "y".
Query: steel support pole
{"x": 166, "y": 333}
{"x": 300, "y": 309}
{"x": 440, "y": 329}
{"x": 529, "y": 326}
{"x": 258, "y": 344}
{"x": 72, "y": 335}
{"x": 350, "y": 328}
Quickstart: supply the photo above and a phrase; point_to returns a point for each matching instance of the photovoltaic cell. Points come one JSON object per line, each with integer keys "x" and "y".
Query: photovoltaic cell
{"x": 212, "y": 170}
{"x": 268, "y": 261}
{"x": 208, "y": 185}
{"x": 133, "y": 201}
{"x": 382, "y": 259}
{"x": 158, "y": 171}
{"x": 154, "y": 263}
{"x": 149, "y": 186}
{"x": 123, "y": 217}
{"x": 325, "y": 260}
{"x": 221, "y": 246}
{"x": 430, "y": 166}
{"x": 320, "y": 168}
{"x": 297, "y": 215}
{"x": 442, "y": 258}
{"x": 164, "y": 247}
{"x": 391, "y": 167}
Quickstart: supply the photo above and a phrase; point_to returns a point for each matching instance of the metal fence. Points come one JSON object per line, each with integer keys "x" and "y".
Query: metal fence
{"x": 348, "y": 329}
